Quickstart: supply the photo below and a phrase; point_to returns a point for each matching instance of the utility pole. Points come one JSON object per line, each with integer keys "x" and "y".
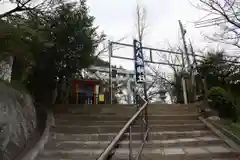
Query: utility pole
{"x": 183, "y": 32}
{"x": 110, "y": 50}
{"x": 193, "y": 71}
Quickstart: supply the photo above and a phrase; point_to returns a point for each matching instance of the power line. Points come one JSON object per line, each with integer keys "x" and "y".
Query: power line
{"x": 215, "y": 19}
{"x": 209, "y": 20}
{"x": 212, "y": 22}
{"x": 209, "y": 25}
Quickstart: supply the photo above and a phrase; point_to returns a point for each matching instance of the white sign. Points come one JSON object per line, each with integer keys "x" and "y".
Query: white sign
{"x": 139, "y": 62}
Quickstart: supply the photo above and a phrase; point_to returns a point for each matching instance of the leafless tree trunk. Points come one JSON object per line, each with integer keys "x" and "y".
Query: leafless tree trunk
{"x": 158, "y": 81}
{"x": 141, "y": 23}
{"x": 141, "y": 27}
{"x": 193, "y": 66}
{"x": 172, "y": 60}
{"x": 104, "y": 47}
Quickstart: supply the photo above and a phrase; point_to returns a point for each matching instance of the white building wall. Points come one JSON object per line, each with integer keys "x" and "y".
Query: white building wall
{"x": 6, "y": 69}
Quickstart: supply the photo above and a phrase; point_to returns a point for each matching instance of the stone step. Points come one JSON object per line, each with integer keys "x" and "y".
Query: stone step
{"x": 172, "y": 112}
{"x": 82, "y": 132}
{"x": 128, "y": 112}
{"x": 199, "y": 141}
{"x": 162, "y": 158}
{"x": 119, "y": 109}
{"x": 116, "y": 128}
{"x": 94, "y": 106}
{"x": 159, "y": 109}
{"x": 125, "y": 118}
{"x": 125, "y": 109}
{"x": 170, "y": 106}
{"x": 105, "y": 123}
{"x": 164, "y": 135}
{"x": 173, "y": 153}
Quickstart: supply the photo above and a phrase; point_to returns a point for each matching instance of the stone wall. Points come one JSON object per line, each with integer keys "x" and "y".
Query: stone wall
{"x": 17, "y": 121}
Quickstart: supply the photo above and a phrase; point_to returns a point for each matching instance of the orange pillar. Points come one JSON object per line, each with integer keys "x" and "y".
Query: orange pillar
{"x": 94, "y": 94}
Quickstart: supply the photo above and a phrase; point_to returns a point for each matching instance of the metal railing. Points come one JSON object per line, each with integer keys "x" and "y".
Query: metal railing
{"x": 144, "y": 129}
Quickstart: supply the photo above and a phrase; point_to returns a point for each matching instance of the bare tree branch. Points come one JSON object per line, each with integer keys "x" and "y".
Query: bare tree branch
{"x": 105, "y": 47}
{"x": 228, "y": 18}
{"x": 29, "y": 5}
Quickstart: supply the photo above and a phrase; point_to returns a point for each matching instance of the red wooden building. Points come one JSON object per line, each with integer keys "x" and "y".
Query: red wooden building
{"x": 85, "y": 91}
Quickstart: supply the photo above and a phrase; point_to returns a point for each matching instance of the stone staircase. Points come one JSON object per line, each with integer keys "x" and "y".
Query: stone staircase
{"x": 176, "y": 133}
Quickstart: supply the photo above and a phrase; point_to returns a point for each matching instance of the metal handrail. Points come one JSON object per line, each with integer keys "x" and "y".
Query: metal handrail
{"x": 108, "y": 151}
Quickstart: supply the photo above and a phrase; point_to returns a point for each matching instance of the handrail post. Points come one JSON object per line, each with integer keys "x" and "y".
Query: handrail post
{"x": 142, "y": 126}
{"x": 138, "y": 101}
{"x": 130, "y": 142}
{"x": 139, "y": 114}
{"x": 146, "y": 119}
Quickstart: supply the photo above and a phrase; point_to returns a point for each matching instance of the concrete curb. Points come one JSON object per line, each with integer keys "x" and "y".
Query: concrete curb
{"x": 228, "y": 133}
{"x": 32, "y": 154}
{"x": 219, "y": 133}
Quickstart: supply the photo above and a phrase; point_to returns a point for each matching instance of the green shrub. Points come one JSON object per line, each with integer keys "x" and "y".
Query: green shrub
{"x": 222, "y": 102}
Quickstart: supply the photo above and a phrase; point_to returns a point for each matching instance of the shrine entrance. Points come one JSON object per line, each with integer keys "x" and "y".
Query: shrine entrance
{"x": 141, "y": 59}
{"x": 85, "y": 91}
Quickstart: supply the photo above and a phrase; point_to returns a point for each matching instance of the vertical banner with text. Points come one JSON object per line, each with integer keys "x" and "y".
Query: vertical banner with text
{"x": 139, "y": 62}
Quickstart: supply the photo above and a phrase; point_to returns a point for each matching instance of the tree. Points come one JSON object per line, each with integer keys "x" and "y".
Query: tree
{"x": 60, "y": 42}
{"x": 217, "y": 69}
{"x": 162, "y": 82}
{"x": 155, "y": 77}
{"x": 11, "y": 41}
{"x": 14, "y": 43}
{"x": 175, "y": 85}
{"x": 176, "y": 90}
{"x": 226, "y": 15}
{"x": 23, "y": 6}
{"x": 219, "y": 72}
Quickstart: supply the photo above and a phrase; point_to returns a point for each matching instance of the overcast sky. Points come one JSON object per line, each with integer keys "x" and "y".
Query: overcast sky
{"x": 117, "y": 19}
